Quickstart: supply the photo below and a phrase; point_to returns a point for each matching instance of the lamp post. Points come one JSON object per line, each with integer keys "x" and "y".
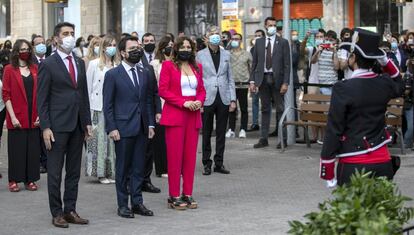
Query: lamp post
{"x": 289, "y": 96}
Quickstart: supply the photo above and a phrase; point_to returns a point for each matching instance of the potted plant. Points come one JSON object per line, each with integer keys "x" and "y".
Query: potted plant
{"x": 366, "y": 206}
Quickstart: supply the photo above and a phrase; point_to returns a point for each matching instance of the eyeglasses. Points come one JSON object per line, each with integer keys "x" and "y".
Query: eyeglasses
{"x": 24, "y": 50}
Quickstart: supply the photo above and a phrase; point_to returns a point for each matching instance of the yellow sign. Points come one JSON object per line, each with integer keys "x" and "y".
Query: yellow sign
{"x": 232, "y": 25}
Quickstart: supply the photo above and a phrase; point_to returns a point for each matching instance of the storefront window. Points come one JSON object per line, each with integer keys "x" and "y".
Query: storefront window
{"x": 197, "y": 16}
{"x": 377, "y": 13}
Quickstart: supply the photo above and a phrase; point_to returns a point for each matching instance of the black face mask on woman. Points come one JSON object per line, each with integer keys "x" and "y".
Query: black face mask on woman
{"x": 167, "y": 51}
{"x": 184, "y": 55}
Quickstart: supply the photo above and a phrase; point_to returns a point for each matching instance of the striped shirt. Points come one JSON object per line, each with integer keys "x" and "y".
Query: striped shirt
{"x": 327, "y": 72}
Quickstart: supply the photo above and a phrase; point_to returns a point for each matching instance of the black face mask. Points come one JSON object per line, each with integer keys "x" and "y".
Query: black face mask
{"x": 150, "y": 47}
{"x": 346, "y": 39}
{"x": 134, "y": 56}
{"x": 167, "y": 51}
{"x": 184, "y": 55}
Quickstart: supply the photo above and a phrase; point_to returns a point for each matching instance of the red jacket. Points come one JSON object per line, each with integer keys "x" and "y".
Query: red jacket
{"x": 13, "y": 90}
{"x": 170, "y": 90}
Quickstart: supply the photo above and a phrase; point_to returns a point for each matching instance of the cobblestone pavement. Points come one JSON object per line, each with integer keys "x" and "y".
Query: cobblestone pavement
{"x": 264, "y": 191}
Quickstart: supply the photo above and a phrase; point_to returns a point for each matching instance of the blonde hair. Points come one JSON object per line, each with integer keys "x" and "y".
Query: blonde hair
{"x": 105, "y": 42}
{"x": 94, "y": 42}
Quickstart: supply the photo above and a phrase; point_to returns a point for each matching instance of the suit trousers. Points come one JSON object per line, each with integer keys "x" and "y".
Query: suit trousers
{"x": 344, "y": 171}
{"x": 130, "y": 166}
{"x": 66, "y": 150}
{"x": 181, "y": 154}
{"x": 241, "y": 94}
{"x": 267, "y": 92}
{"x": 221, "y": 111}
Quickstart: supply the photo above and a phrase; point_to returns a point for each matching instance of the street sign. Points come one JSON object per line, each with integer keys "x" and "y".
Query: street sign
{"x": 230, "y": 9}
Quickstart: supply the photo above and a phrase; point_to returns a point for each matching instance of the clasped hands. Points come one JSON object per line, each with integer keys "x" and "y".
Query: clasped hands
{"x": 193, "y": 105}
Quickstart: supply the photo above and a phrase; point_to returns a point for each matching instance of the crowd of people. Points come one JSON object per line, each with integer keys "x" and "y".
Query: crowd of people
{"x": 125, "y": 103}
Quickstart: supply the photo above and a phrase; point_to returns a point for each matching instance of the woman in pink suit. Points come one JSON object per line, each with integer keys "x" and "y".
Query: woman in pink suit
{"x": 181, "y": 86}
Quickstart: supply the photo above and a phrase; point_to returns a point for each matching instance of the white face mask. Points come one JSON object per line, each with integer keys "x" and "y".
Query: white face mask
{"x": 68, "y": 43}
{"x": 294, "y": 37}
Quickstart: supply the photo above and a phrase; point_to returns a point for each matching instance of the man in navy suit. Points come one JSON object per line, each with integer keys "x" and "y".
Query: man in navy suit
{"x": 65, "y": 120}
{"x": 129, "y": 120}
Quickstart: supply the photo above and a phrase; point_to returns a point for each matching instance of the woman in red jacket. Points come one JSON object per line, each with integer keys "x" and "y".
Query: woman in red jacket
{"x": 181, "y": 86}
{"x": 19, "y": 95}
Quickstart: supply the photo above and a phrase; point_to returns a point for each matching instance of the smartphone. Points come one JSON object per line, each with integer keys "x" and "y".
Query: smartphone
{"x": 326, "y": 45}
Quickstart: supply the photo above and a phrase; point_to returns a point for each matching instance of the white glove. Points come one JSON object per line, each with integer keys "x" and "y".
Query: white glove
{"x": 331, "y": 183}
{"x": 383, "y": 61}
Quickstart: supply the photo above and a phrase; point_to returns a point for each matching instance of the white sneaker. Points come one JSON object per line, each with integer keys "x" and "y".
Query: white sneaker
{"x": 104, "y": 181}
{"x": 230, "y": 134}
{"x": 164, "y": 175}
{"x": 242, "y": 134}
{"x": 320, "y": 142}
{"x": 111, "y": 181}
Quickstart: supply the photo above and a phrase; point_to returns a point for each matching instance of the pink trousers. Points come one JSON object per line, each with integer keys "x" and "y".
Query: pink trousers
{"x": 181, "y": 144}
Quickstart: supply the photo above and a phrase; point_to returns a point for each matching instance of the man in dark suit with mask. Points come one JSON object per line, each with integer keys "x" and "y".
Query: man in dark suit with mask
{"x": 65, "y": 119}
{"x": 270, "y": 74}
{"x": 129, "y": 120}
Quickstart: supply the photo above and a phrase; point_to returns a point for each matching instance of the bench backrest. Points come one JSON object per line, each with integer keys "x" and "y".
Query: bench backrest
{"x": 315, "y": 108}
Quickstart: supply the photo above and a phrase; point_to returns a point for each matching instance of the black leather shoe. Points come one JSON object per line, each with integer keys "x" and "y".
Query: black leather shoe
{"x": 42, "y": 170}
{"x": 125, "y": 212}
{"x": 261, "y": 144}
{"x": 273, "y": 134}
{"x": 279, "y": 146}
{"x": 221, "y": 169}
{"x": 254, "y": 127}
{"x": 207, "y": 170}
{"x": 150, "y": 188}
{"x": 142, "y": 210}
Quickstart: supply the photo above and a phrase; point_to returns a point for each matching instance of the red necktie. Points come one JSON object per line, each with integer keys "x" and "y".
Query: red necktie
{"x": 71, "y": 70}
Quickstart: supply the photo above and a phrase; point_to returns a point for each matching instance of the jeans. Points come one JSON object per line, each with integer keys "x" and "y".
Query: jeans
{"x": 255, "y": 108}
{"x": 408, "y": 135}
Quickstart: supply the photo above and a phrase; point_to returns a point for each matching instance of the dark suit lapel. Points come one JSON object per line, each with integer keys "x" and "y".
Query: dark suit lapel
{"x": 276, "y": 44}
{"x": 141, "y": 79}
{"x": 62, "y": 67}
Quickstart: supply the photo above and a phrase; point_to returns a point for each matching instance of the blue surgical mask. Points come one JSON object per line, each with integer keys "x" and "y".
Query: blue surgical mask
{"x": 40, "y": 49}
{"x": 96, "y": 50}
{"x": 394, "y": 46}
{"x": 214, "y": 39}
{"x": 318, "y": 42}
{"x": 110, "y": 51}
{"x": 235, "y": 44}
{"x": 271, "y": 30}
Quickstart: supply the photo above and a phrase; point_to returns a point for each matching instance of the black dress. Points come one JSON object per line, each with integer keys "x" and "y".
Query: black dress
{"x": 24, "y": 145}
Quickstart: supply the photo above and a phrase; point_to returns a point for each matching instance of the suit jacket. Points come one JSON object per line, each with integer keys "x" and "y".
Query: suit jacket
{"x": 356, "y": 119}
{"x": 280, "y": 61}
{"x": 60, "y": 104}
{"x": 14, "y": 90}
{"x": 221, "y": 80}
{"x": 125, "y": 109}
{"x": 173, "y": 111}
{"x": 156, "y": 97}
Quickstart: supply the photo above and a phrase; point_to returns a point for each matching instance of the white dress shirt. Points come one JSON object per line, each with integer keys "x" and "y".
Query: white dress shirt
{"x": 40, "y": 58}
{"x": 128, "y": 68}
{"x": 272, "y": 42}
{"x": 66, "y": 62}
{"x": 147, "y": 55}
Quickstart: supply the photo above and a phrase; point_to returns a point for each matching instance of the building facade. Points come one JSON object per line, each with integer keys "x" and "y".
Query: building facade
{"x": 22, "y": 18}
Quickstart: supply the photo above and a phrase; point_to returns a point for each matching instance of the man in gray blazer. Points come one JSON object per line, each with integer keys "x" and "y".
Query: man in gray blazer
{"x": 270, "y": 74}
{"x": 220, "y": 99}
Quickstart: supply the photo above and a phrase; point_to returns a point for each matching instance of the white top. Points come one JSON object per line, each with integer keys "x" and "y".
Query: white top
{"x": 343, "y": 55}
{"x": 314, "y": 72}
{"x": 128, "y": 68}
{"x": 95, "y": 79}
{"x": 66, "y": 62}
{"x": 188, "y": 85}
{"x": 272, "y": 42}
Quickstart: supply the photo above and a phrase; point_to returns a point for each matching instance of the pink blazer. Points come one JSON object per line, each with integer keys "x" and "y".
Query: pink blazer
{"x": 170, "y": 90}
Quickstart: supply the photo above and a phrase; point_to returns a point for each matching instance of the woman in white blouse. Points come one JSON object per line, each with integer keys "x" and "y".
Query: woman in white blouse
{"x": 100, "y": 151}
{"x": 164, "y": 53}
